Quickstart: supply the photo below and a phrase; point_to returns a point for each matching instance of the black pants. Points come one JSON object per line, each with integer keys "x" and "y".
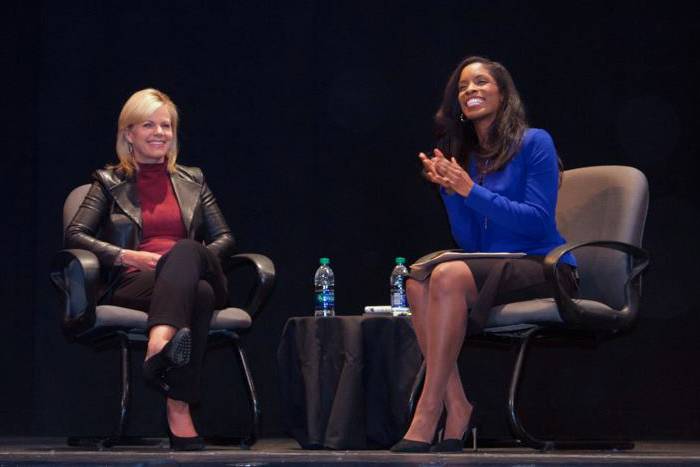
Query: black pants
{"x": 186, "y": 287}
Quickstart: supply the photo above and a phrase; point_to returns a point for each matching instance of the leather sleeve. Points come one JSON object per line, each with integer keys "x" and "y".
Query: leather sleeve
{"x": 219, "y": 239}
{"x": 82, "y": 231}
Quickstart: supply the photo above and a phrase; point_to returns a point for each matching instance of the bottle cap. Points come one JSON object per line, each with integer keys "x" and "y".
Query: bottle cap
{"x": 324, "y": 261}
{"x": 400, "y": 260}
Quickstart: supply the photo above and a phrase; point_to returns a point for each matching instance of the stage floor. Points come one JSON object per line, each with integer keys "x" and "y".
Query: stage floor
{"x": 286, "y": 452}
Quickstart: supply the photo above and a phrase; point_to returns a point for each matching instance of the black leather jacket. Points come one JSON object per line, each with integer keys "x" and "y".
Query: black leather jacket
{"x": 110, "y": 217}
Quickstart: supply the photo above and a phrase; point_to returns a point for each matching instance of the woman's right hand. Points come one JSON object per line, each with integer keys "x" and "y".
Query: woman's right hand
{"x": 431, "y": 173}
{"x": 141, "y": 260}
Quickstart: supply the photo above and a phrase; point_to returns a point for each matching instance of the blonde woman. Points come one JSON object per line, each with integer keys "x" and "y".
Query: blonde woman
{"x": 161, "y": 239}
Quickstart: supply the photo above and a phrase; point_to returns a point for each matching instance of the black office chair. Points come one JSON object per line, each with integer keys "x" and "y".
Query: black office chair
{"x": 601, "y": 212}
{"x": 76, "y": 275}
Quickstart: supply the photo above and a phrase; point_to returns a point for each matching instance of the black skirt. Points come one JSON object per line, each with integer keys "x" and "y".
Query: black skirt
{"x": 501, "y": 281}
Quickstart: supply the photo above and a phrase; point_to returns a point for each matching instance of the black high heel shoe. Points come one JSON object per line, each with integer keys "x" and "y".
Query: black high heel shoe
{"x": 407, "y": 445}
{"x": 455, "y": 445}
{"x": 175, "y": 354}
{"x": 190, "y": 443}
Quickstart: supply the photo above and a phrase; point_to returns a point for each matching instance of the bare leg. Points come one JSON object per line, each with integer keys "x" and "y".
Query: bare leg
{"x": 440, "y": 337}
{"x": 458, "y": 407}
{"x": 179, "y": 417}
{"x": 418, "y": 296}
{"x": 417, "y": 293}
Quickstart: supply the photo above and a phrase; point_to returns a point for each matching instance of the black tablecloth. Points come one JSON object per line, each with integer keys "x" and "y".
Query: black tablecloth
{"x": 345, "y": 381}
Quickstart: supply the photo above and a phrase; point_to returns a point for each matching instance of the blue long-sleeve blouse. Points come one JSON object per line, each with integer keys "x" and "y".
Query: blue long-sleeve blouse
{"x": 513, "y": 209}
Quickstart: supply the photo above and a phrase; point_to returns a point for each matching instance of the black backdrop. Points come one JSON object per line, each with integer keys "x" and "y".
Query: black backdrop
{"x": 306, "y": 118}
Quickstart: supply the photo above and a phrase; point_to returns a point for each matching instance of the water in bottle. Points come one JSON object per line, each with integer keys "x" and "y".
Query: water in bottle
{"x": 397, "y": 282}
{"x": 324, "y": 286}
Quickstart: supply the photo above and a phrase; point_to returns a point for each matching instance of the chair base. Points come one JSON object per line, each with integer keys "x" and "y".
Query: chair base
{"x": 106, "y": 442}
{"x": 233, "y": 339}
{"x": 118, "y": 439}
{"x": 521, "y": 436}
{"x": 524, "y": 437}
{"x": 564, "y": 445}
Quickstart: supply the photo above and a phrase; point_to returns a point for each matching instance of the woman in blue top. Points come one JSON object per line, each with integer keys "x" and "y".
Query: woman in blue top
{"x": 498, "y": 180}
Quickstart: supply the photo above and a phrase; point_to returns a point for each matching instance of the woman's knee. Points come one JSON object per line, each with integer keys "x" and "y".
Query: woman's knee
{"x": 185, "y": 252}
{"x": 205, "y": 295}
{"x": 415, "y": 289}
{"x": 452, "y": 276}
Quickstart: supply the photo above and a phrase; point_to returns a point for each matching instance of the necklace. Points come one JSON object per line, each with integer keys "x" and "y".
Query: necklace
{"x": 482, "y": 166}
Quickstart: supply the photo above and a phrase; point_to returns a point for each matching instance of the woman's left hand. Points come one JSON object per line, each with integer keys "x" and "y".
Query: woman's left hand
{"x": 457, "y": 178}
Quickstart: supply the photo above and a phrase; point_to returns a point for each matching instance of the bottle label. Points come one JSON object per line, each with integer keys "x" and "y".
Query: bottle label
{"x": 398, "y": 299}
{"x": 325, "y": 300}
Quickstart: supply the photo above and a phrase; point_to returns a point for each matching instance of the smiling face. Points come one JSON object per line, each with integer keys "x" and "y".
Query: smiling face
{"x": 152, "y": 138}
{"x": 478, "y": 94}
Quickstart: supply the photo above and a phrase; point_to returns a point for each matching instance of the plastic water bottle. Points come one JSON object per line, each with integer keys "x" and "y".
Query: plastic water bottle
{"x": 324, "y": 286}
{"x": 397, "y": 283}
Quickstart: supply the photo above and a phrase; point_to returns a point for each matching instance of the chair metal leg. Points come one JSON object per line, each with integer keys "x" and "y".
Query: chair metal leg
{"x": 523, "y": 437}
{"x": 416, "y": 390}
{"x": 118, "y": 439}
{"x": 246, "y": 441}
{"x": 255, "y": 405}
{"x": 126, "y": 385}
{"x": 516, "y": 425}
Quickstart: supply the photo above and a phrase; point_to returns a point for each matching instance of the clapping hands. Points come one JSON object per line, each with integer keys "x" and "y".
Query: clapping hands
{"x": 446, "y": 173}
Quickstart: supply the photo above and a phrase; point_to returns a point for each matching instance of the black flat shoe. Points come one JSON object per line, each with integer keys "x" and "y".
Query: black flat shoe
{"x": 406, "y": 445}
{"x": 191, "y": 443}
{"x": 457, "y": 445}
{"x": 175, "y": 354}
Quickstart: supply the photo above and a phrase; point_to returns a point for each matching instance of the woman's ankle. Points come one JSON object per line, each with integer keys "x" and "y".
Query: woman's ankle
{"x": 154, "y": 346}
{"x": 158, "y": 336}
{"x": 180, "y": 418}
{"x": 424, "y": 423}
{"x": 459, "y": 406}
{"x": 458, "y": 419}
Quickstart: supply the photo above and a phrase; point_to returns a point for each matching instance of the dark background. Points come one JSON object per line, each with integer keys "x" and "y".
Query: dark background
{"x": 306, "y": 118}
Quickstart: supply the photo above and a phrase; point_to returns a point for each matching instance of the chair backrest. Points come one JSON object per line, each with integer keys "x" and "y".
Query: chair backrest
{"x": 72, "y": 203}
{"x": 603, "y": 203}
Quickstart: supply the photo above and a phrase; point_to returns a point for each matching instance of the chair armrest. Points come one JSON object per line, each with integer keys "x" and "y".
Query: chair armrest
{"x": 265, "y": 270}
{"x": 574, "y": 315}
{"x": 75, "y": 274}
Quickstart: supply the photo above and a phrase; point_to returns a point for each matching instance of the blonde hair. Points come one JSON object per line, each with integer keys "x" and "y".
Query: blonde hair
{"x": 137, "y": 109}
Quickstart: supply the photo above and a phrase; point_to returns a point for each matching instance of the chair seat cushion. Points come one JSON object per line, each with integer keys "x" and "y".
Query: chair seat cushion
{"x": 521, "y": 315}
{"x": 111, "y": 316}
{"x": 230, "y": 318}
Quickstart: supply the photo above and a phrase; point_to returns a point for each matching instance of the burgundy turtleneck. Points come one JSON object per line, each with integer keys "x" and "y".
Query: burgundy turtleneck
{"x": 160, "y": 212}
